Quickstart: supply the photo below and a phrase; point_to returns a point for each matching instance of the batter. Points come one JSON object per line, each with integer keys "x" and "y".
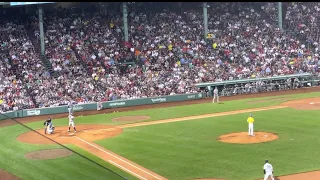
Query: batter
{"x": 71, "y": 123}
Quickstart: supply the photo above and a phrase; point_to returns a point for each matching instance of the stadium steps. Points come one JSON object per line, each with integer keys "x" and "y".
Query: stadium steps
{"x": 14, "y": 67}
{"x": 48, "y": 66}
{"x": 43, "y": 58}
{"x": 30, "y": 94}
{"x": 80, "y": 59}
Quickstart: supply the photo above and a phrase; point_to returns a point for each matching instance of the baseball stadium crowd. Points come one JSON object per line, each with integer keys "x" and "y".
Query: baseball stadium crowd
{"x": 87, "y": 50}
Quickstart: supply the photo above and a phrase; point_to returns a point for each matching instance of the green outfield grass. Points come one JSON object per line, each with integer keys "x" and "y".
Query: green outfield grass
{"x": 189, "y": 149}
{"x": 181, "y": 150}
{"x": 179, "y": 111}
{"x": 73, "y": 167}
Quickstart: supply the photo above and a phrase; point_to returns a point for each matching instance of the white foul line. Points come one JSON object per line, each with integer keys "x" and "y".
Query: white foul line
{"x": 121, "y": 167}
{"x": 117, "y": 157}
{"x": 175, "y": 120}
{"x": 227, "y": 113}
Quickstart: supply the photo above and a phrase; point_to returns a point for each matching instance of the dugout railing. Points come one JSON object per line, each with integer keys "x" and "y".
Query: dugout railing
{"x": 256, "y": 85}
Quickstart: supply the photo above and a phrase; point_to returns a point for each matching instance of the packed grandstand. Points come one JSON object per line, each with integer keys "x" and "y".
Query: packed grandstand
{"x": 167, "y": 52}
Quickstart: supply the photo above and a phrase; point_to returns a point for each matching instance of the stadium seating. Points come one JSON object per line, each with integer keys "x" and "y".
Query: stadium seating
{"x": 86, "y": 48}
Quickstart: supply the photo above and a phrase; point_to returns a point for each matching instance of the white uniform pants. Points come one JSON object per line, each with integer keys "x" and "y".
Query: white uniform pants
{"x": 70, "y": 110}
{"x": 250, "y": 132}
{"x": 214, "y": 97}
{"x": 71, "y": 123}
{"x": 266, "y": 176}
{"x": 50, "y": 130}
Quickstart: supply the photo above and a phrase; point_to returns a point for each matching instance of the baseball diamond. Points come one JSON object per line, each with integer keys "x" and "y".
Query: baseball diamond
{"x": 159, "y": 90}
{"x": 155, "y": 148}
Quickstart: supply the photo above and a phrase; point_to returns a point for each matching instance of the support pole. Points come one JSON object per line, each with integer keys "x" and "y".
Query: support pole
{"x": 205, "y": 20}
{"x": 280, "y": 15}
{"x": 125, "y": 21}
{"x": 41, "y": 29}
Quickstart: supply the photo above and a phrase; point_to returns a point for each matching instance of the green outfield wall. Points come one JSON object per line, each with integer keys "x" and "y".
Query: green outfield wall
{"x": 106, "y": 105}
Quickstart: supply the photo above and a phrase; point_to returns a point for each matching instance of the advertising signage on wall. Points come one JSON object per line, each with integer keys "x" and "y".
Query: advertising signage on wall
{"x": 26, "y": 3}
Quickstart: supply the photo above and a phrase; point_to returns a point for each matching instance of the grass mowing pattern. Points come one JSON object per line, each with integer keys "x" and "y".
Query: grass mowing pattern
{"x": 189, "y": 149}
{"x": 177, "y": 111}
{"x": 75, "y": 167}
{"x": 72, "y": 167}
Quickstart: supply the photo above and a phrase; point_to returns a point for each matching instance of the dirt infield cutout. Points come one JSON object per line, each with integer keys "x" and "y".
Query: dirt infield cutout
{"x": 313, "y": 175}
{"x": 87, "y": 132}
{"x": 130, "y": 118}
{"x": 84, "y": 138}
{"x": 4, "y": 175}
{"x": 80, "y": 137}
{"x": 304, "y": 104}
{"x": 48, "y": 154}
{"x": 244, "y": 138}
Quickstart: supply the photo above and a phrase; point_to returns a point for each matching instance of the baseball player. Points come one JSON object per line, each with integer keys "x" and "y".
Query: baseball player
{"x": 49, "y": 128}
{"x": 70, "y": 107}
{"x": 71, "y": 122}
{"x": 250, "y": 121}
{"x": 215, "y": 95}
{"x": 268, "y": 170}
{"x": 99, "y": 106}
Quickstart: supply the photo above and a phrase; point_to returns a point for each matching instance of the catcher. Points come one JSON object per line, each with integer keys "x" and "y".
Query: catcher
{"x": 49, "y": 128}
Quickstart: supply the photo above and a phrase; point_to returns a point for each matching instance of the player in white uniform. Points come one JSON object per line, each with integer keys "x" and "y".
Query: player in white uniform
{"x": 70, "y": 107}
{"x": 215, "y": 95}
{"x": 268, "y": 170}
{"x": 71, "y": 122}
{"x": 50, "y": 129}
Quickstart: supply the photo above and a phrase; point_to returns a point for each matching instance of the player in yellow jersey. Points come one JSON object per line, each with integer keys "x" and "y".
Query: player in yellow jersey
{"x": 250, "y": 121}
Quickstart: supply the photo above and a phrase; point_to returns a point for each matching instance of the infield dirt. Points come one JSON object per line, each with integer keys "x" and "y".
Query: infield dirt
{"x": 4, "y": 175}
{"x": 304, "y": 104}
{"x": 88, "y": 133}
{"x": 161, "y": 105}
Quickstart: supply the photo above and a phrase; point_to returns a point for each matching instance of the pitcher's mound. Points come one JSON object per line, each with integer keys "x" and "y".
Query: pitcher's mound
{"x": 244, "y": 138}
{"x": 130, "y": 118}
